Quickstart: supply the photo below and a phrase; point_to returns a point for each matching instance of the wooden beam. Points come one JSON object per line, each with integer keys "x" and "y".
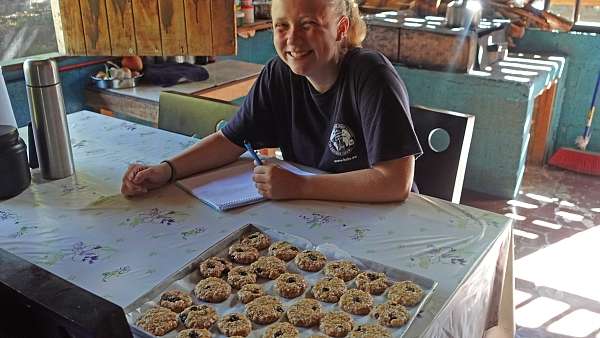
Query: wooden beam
{"x": 198, "y": 27}
{"x": 122, "y": 32}
{"x": 172, "y": 27}
{"x": 223, "y": 27}
{"x": 540, "y": 126}
{"x": 147, "y": 27}
{"x": 95, "y": 27}
{"x": 68, "y": 26}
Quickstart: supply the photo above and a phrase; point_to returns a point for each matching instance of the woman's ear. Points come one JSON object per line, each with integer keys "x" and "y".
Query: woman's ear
{"x": 342, "y": 28}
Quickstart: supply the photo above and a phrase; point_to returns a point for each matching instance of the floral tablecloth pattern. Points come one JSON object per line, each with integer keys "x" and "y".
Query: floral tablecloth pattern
{"x": 82, "y": 229}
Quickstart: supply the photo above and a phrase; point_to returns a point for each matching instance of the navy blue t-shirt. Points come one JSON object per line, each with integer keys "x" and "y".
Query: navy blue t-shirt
{"x": 361, "y": 120}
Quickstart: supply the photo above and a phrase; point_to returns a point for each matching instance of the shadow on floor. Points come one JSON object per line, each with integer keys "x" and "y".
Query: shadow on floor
{"x": 557, "y": 252}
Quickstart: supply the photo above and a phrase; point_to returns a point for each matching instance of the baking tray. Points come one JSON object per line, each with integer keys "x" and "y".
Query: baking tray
{"x": 187, "y": 277}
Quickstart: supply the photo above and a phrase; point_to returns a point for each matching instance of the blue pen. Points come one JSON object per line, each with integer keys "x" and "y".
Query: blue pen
{"x": 252, "y": 152}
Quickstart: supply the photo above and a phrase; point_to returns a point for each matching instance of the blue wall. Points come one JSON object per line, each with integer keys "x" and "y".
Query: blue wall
{"x": 583, "y": 64}
{"x": 73, "y": 85}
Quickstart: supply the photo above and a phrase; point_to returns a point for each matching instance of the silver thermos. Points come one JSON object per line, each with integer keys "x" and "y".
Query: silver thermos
{"x": 48, "y": 119}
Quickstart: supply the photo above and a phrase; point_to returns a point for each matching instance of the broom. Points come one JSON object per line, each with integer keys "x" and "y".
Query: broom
{"x": 581, "y": 161}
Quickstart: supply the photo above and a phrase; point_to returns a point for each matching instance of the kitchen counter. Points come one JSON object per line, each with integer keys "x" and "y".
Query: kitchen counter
{"x": 141, "y": 102}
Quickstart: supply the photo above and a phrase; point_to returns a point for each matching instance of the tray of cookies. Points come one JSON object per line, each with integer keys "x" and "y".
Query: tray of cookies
{"x": 260, "y": 282}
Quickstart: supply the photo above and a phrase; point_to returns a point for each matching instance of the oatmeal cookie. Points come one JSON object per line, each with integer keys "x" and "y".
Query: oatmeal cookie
{"x": 310, "y": 260}
{"x": 243, "y": 254}
{"x": 283, "y": 250}
{"x": 240, "y": 276}
{"x": 214, "y": 267}
{"x": 158, "y": 321}
{"x": 281, "y": 329}
{"x": 194, "y": 333}
{"x": 264, "y": 310}
{"x": 257, "y": 239}
{"x": 175, "y": 300}
{"x": 234, "y": 324}
{"x": 198, "y": 317}
{"x": 250, "y": 292}
{"x": 369, "y": 331}
{"x": 345, "y": 270}
{"x": 405, "y": 293}
{"x": 269, "y": 267}
{"x": 329, "y": 289}
{"x": 306, "y": 312}
{"x": 389, "y": 314}
{"x": 212, "y": 290}
{"x": 336, "y": 324}
{"x": 290, "y": 285}
{"x": 356, "y": 302}
{"x": 374, "y": 283}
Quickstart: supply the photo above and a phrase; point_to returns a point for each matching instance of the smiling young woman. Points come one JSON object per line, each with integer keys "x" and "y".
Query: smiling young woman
{"x": 326, "y": 103}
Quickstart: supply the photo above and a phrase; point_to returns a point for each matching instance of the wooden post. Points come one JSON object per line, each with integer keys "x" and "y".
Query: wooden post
{"x": 223, "y": 27}
{"x": 172, "y": 27}
{"x": 540, "y": 125}
{"x": 147, "y": 27}
{"x": 95, "y": 27}
{"x": 122, "y": 33}
{"x": 68, "y": 27}
{"x": 198, "y": 27}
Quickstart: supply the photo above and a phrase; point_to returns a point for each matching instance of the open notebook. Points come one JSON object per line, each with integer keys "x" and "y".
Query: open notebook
{"x": 230, "y": 186}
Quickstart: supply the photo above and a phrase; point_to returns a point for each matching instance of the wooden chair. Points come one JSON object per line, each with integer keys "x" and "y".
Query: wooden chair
{"x": 445, "y": 137}
{"x": 192, "y": 115}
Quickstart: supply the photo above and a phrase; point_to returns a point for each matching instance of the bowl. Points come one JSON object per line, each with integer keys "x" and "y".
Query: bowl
{"x": 117, "y": 83}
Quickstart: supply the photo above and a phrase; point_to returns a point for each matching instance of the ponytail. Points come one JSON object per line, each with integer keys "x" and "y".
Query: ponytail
{"x": 357, "y": 29}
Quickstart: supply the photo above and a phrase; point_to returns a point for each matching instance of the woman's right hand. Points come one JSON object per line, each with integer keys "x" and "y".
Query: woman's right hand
{"x": 139, "y": 178}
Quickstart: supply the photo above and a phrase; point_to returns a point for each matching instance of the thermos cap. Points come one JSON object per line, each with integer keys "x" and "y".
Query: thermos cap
{"x": 8, "y": 136}
{"x": 40, "y": 73}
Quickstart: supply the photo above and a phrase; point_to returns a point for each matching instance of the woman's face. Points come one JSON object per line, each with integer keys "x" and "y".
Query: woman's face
{"x": 306, "y": 35}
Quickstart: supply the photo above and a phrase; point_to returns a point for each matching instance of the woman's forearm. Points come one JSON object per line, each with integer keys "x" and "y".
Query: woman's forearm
{"x": 211, "y": 152}
{"x": 386, "y": 182}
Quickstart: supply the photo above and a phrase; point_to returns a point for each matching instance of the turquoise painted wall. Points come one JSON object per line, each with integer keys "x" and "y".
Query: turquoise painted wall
{"x": 583, "y": 64}
{"x": 258, "y": 49}
{"x": 73, "y": 85}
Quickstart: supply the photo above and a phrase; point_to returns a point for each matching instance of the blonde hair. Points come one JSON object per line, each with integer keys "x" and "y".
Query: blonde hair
{"x": 357, "y": 29}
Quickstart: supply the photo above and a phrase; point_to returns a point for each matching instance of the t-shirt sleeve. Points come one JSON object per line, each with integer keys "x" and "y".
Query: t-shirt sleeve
{"x": 385, "y": 115}
{"x": 253, "y": 120}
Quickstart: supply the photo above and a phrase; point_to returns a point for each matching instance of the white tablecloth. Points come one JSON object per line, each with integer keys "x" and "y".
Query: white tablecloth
{"x": 82, "y": 229}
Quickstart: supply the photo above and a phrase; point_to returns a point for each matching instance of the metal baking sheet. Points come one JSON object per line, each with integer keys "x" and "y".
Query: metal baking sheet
{"x": 186, "y": 278}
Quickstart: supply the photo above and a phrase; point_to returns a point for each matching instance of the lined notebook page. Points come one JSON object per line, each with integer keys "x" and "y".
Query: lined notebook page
{"x": 230, "y": 186}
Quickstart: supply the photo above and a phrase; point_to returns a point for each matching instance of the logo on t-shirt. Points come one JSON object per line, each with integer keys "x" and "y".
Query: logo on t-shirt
{"x": 341, "y": 141}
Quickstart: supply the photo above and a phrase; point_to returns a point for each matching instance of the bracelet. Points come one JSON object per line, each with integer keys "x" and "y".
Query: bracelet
{"x": 173, "y": 173}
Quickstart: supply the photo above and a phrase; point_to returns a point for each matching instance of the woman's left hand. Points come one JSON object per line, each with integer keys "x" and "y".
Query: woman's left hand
{"x": 277, "y": 183}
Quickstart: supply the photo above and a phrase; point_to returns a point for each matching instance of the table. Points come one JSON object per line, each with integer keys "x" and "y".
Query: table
{"x": 82, "y": 229}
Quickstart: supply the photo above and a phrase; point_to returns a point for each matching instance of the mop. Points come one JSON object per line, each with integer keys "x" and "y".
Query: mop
{"x": 580, "y": 160}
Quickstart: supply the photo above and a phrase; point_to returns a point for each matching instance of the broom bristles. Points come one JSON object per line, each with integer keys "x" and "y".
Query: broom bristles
{"x": 584, "y": 162}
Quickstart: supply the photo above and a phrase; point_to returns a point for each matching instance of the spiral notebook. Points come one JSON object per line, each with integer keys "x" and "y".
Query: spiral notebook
{"x": 230, "y": 186}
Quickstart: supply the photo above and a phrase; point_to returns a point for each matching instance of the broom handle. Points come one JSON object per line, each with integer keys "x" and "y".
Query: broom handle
{"x": 588, "y": 125}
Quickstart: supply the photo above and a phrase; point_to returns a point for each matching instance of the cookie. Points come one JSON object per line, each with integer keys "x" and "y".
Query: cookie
{"x": 369, "y": 331}
{"x": 234, "y": 324}
{"x": 194, "y": 333}
{"x": 243, "y": 254}
{"x": 306, "y": 312}
{"x": 269, "y": 267}
{"x": 336, "y": 324}
{"x": 198, "y": 317}
{"x": 281, "y": 330}
{"x": 264, "y": 310}
{"x": 214, "y": 267}
{"x": 250, "y": 292}
{"x": 405, "y": 293}
{"x": 290, "y": 285}
{"x": 374, "y": 283}
{"x": 329, "y": 289}
{"x": 345, "y": 270}
{"x": 175, "y": 300}
{"x": 240, "y": 276}
{"x": 283, "y": 250}
{"x": 256, "y": 239}
{"x": 389, "y": 314}
{"x": 356, "y": 302}
{"x": 212, "y": 290}
{"x": 310, "y": 260}
{"x": 158, "y": 321}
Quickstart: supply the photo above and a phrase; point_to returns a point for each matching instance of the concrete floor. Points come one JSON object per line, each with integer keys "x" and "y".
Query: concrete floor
{"x": 557, "y": 252}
